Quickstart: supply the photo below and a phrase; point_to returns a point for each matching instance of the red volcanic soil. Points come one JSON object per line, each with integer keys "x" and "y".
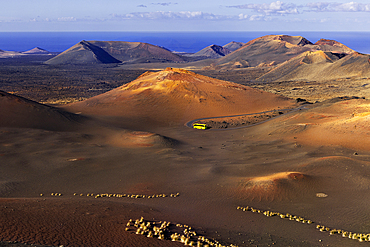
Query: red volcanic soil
{"x": 313, "y": 162}
{"x": 174, "y": 96}
{"x": 56, "y": 222}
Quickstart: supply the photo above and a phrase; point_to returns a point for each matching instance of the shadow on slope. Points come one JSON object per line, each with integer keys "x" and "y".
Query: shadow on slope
{"x": 19, "y": 112}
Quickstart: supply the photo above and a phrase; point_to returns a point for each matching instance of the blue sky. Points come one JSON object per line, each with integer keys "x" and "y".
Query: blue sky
{"x": 180, "y": 15}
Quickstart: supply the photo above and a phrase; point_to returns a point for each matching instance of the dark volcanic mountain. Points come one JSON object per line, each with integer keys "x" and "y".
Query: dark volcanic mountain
{"x": 212, "y": 51}
{"x": 233, "y": 46}
{"x": 83, "y": 53}
{"x": 275, "y": 49}
{"x": 97, "y": 52}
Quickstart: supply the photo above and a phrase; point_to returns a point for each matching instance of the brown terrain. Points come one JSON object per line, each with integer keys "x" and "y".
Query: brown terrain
{"x": 120, "y": 165}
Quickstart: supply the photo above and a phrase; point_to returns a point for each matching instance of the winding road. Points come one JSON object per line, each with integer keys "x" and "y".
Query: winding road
{"x": 190, "y": 123}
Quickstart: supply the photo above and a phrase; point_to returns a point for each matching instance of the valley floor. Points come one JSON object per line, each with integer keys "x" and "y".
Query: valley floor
{"x": 50, "y": 180}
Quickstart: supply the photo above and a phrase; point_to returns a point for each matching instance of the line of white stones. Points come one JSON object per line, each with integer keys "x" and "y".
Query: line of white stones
{"x": 136, "y": 196}
{"x": 362, "y": 237}
{"x": 175, "y": 232}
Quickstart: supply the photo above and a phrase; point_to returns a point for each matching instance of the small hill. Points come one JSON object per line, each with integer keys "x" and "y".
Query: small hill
{"x": 176, "y": 96}
{"x": 105, "y": 52}
{"x": 275, "y": 49}
{"x": 233, "y": 46}
{"x": 212, "y": 51}
{"x": 319, "y": 65}
{"x": 276, "y": 186}
{"x": 16, "y": 111}
{"x": 36, "y": 51}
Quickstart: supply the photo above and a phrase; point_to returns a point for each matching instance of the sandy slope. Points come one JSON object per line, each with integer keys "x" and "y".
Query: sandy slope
{"x": 337, "y": 122}
{"x": 16, "y": 111}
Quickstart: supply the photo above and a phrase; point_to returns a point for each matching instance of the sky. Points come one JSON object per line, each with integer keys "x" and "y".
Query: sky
{"x": 183, "y": 15}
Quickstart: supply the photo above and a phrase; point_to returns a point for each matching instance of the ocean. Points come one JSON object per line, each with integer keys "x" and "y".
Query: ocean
{"x": 174, "y": 41}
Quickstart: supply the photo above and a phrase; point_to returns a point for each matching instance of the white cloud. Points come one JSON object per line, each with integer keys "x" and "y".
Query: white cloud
{"x": 243, "y": 16}
{"x": 319, "y": 7}
{"x": 39, "y": 19}
{"x": 187, "y": 15}
{"x": 274, "y": 8}
{"x": 338, "y": 7}
{"x": 256, "y": 18}
{"x": 63, "y": 19}
{"x": 281, "y": 8}
{"x": 164, "y": 4}
{"x": 66, "y": 19}
{"x": 9, "y": 20}
{"x": 256, "y": 12}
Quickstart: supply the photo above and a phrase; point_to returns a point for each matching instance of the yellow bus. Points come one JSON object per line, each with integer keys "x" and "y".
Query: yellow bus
{"x": 200, "y": 126}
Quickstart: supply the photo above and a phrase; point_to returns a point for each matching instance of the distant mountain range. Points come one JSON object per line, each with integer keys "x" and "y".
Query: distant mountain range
{"x": 34, "y": 51}
{"x": 269, "y": 50}
{"x": 105, "y": 52}
{"x": 287, "y": 57}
